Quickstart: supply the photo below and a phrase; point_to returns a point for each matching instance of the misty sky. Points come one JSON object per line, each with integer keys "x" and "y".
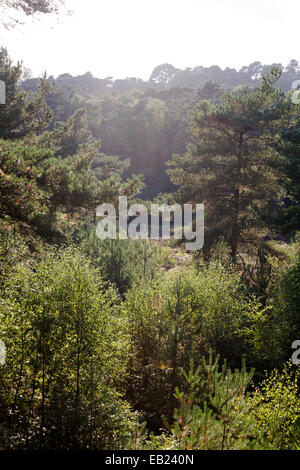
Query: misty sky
{"x": 123, "y": 38}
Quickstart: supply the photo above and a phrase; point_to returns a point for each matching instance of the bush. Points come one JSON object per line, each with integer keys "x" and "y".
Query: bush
{"x": 214, "y": 412}
{"x": 274, "y": 329}
{"x": 124, "y": 262}
{"x": 275, "y": 406}
{"x": 287, "y": 306}
{"x": 179, "y": 317}
{"x": 217, "y": 411}
{"x": 65, "y": 353}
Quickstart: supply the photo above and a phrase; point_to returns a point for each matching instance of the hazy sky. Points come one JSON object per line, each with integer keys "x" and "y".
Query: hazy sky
{"x": 122, "y": 38}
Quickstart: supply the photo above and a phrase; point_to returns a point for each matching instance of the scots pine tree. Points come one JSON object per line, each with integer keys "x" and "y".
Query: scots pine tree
{"x": 232, "y": 165}
{"x": 23, "y": 113}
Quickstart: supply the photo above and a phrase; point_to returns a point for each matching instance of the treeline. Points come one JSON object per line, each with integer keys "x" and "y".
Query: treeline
{"x": 166, "y": 76}
{"x": 113, "y": 343}
{"x": 148, "y": 121}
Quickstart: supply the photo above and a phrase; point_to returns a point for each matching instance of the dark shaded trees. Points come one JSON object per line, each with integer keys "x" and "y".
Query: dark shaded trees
{"x": 288, "y": 218}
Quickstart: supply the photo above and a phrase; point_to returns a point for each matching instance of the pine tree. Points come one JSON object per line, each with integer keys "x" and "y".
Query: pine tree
{"x": 51, "y": 180}
{"x": 23, "y": 113}
{"x": 232, "y": 164}
{"x": 212, "y": 415}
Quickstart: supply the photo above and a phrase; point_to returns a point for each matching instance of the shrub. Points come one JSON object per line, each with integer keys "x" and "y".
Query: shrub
{"x": 65, "y": 354}
{"x": 213, "y": 412}
{"x": 275, "y": 406}
{"x": 176, "y": 318}
{"x": 124, "y": 262}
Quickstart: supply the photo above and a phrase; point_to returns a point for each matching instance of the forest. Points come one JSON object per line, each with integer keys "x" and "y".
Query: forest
{"x": 140, "y": 344}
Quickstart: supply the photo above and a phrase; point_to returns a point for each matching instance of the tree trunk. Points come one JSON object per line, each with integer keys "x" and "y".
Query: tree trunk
{"x": 236, "y": 203}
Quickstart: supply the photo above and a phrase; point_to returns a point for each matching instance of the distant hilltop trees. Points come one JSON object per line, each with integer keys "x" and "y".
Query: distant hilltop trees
{"x": 166, "y": 76}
